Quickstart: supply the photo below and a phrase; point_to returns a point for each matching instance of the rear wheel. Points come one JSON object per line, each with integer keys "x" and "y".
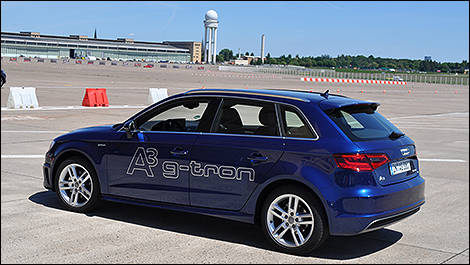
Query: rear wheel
{"x": 77, "y": 185}
{"x": 293, "y": 221}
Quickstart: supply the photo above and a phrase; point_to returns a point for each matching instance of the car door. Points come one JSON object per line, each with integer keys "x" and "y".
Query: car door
{"x": 228, "y": 163}
{"x": 153, "y": 163}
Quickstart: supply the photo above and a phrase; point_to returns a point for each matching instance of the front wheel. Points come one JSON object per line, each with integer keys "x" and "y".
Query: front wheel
{"x": 293, "y": 220}
{"x": 77, "y": 185}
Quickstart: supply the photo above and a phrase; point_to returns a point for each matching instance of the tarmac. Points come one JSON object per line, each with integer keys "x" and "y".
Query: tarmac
{"x": 36, "y": 229}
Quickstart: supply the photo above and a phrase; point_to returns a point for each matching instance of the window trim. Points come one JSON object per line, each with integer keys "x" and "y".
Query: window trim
{"x": 144, "y": 112}
{"x": 163, "y": 105}
{"x": 217, "y": 116}
{"x": 302, "y": 117}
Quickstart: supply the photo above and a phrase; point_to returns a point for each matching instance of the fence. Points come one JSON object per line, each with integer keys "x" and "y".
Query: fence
{"x": 327, "y": 73}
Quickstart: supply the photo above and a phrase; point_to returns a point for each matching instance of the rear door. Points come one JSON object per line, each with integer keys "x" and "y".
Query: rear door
{"x": 228, "y": 163}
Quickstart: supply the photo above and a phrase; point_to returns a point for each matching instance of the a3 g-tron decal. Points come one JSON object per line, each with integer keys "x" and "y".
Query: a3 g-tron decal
{"x": 146, "y": 159}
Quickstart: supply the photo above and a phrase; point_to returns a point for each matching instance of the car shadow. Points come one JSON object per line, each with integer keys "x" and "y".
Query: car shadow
{"x": 337, "y": 248}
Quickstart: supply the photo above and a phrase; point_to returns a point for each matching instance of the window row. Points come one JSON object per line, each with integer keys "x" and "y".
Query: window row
{"x": 226, "y": 116}
{"x": 89, "y": 47}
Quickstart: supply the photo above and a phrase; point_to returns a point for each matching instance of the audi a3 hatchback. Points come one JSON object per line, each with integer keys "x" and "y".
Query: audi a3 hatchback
{"x": 302, "y": 165}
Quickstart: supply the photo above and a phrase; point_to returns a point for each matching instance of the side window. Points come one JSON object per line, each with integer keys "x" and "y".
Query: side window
{"x": 294, "y": 124}
{"x": 238, "y": 116}
{"x": 181, "y": 116}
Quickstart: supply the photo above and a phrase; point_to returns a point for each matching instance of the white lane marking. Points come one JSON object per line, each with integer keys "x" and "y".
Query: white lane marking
{"x": 35, "y": 131}
{"x": 420, "y": 159}
{"x": 78, "y": 108}
{"x": 434, "y": 128}
{"x": 441, "y": 160}
{"x": 23, "y": 118}
{"x": 23, "y": 156}
{"x": 431, "y": 115}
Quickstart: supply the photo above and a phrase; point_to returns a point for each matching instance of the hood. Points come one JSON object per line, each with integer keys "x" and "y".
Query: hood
{"x": 88, "y": 133}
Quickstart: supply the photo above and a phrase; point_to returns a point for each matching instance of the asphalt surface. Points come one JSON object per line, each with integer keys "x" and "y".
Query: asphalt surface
{"x": 36, "y": 229}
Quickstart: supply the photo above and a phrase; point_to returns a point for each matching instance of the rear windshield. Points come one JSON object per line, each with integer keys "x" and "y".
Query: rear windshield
{"x": 363, "y": 123}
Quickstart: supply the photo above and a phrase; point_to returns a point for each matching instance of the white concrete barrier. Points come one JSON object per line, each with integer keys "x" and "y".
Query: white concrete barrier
{"x": 157, "y": 94}
{"x": 22, "y": 97}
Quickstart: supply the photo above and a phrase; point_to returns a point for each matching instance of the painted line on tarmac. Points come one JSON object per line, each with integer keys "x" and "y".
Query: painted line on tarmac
{"x": 442, "y": 160}
{"x": 420, "y": 159}
{"x": 431, "y": 115}
{"x": 23, "y": 156}
{"x": 35, "y": 131}
{"x": 78, "y": 108}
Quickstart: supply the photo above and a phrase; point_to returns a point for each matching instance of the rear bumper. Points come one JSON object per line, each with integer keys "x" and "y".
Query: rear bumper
{"x": 376, "y": 207}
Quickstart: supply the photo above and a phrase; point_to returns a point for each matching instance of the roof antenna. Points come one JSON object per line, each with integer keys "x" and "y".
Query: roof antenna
{"x": 325, "y": 94}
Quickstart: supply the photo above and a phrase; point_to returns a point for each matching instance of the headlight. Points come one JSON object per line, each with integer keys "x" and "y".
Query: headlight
{"x": 51, "y": 145}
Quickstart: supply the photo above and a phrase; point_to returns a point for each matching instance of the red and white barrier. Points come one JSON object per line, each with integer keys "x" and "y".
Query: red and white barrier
{"x": 357, "y": 81}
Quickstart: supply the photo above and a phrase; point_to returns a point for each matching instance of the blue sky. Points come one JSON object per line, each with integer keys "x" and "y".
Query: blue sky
{"x": 382, "y": 29}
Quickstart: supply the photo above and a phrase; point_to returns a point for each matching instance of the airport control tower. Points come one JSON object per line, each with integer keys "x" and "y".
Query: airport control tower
{"x": 210, "y": 44}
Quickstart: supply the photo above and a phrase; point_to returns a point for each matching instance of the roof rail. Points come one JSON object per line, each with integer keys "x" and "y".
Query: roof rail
{"x": 195, "y": 91}
{"x": 303, "y": 91}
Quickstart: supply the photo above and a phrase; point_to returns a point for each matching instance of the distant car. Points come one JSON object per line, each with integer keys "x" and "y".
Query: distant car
{"x": 302, "y": 165}
{"x": 4, "y": 78}
{"x": 148, "y": 66}
{"x": 397, "y": 78}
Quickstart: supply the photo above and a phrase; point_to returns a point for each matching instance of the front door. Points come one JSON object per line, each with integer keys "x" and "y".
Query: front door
{"x": 153, "y": 164}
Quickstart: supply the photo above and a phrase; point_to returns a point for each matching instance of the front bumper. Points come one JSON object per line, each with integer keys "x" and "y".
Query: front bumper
{"x": 47, "y": 174}
{"x": 376, "y": 208}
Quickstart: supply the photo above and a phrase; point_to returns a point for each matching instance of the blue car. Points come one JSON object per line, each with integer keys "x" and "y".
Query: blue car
{"x": 302, "y": 165}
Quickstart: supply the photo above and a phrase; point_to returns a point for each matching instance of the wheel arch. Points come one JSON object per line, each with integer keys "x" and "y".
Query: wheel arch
{"x": 64, "y": 155}
{"x": 282, "y": 182}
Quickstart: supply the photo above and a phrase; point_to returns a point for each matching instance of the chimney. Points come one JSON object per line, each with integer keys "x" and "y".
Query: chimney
{"x": 262, "y": 49}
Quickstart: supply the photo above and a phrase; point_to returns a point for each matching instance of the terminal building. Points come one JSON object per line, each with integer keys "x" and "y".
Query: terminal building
{"x": 33, "y": 44}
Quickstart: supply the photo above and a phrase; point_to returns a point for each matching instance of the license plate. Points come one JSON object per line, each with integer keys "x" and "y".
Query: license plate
{"x": 400, "y": 167}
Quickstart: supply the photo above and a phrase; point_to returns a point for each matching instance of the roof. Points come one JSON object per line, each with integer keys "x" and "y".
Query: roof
{"x": 99, "y": 43}
{"x": 329, "y": 102}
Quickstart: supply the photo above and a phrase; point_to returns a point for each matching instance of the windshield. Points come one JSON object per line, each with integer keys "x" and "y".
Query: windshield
{"x": 363, "y": 123}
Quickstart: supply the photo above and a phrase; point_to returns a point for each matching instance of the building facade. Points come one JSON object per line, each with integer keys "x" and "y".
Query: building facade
{"x": 194, "y": 47}
{"x": 33, "y": 44}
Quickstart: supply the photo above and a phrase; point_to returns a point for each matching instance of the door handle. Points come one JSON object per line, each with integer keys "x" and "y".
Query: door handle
{"x": 178, "y": 151}
{"x": 256, "y": 158}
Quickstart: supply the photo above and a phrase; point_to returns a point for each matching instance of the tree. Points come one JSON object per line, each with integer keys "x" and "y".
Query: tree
{"x": 247, "y": 53}
{"x": 252, "y": 54}
{"x": 220, "y": 58}
{"x": 226, "y": 54}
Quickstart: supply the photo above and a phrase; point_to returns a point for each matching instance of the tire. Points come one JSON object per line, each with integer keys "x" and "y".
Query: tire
{"x": 78, "y": 195}
{"x": 280, "y": 230}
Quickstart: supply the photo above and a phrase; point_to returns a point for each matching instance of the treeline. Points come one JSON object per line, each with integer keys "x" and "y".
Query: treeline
{"x": 355, "y": 62}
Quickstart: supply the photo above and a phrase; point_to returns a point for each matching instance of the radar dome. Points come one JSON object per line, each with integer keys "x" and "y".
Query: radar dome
{"x": 211, "y": 15}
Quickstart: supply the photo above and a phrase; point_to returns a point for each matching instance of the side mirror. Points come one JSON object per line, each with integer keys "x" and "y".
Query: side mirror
{"x": 129, "y": 127}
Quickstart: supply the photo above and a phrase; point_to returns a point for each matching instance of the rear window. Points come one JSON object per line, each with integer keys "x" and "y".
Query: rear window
{"x": 363, "y": 123}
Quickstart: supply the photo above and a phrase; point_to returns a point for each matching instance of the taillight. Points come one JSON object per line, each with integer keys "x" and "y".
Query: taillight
{"x": 361, "y": 162}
